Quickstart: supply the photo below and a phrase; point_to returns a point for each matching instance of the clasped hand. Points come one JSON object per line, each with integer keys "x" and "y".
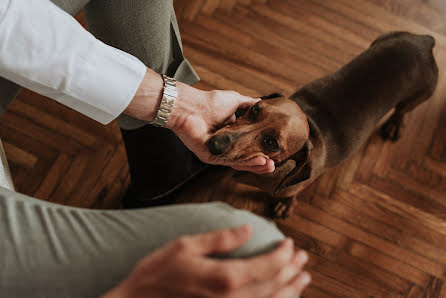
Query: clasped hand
{"x": 197, "y": 113}
{"x": 184, "y": 268}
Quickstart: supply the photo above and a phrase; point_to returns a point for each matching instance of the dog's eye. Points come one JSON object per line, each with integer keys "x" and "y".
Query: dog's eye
{"x": 254, "y": 111}
{"x": 271, "y": 144}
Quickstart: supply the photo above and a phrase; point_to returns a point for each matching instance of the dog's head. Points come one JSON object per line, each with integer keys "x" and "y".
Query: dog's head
{"x": 275, "y": 128}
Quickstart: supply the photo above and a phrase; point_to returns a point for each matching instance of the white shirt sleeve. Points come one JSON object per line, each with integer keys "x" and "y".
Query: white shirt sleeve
{"x": 46, "y": 50}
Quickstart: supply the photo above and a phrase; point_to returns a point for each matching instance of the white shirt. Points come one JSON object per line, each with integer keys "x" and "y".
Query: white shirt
{"x": 46, "y": 50}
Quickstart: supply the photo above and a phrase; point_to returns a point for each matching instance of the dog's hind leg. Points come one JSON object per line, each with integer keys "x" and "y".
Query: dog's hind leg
{"x": 391, "y": 129}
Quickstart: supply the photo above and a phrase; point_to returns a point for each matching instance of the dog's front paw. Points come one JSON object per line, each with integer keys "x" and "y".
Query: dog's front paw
{"x": 391, "y": 129}
{"x": 282, "y": 209}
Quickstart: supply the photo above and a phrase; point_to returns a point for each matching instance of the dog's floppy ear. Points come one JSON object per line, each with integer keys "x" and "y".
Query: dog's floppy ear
{"x": 241, "y": 112}
{"x": 272, "y": 95}
{"x": 291, "y": 171}
{"x": 266, "y": 182}
{"x": 302, "y": 169}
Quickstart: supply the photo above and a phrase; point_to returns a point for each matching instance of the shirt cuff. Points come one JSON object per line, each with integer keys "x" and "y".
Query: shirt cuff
{"x": 106, "y": 82}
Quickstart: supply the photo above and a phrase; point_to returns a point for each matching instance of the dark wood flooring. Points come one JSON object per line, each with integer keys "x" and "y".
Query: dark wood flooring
{"x": 374, "y": 227}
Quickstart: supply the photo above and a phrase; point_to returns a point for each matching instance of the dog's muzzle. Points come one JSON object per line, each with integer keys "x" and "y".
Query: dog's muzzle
{"x": 217, "y": 145}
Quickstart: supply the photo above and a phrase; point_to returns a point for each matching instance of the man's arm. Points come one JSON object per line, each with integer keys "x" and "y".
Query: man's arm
{"x": 46, "y": 50}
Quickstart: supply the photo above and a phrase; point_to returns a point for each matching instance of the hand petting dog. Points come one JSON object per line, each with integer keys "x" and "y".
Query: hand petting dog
{"x": 195, "y": 116}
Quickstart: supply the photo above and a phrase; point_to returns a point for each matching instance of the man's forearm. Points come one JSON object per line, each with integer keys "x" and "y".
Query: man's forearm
{"x": 146, "y": 101}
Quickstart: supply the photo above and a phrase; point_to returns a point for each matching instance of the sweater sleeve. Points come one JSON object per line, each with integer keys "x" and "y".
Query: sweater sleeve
{"x": 46, "y": 50}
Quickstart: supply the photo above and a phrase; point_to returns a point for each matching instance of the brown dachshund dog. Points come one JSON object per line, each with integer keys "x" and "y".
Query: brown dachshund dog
{"x": 327, "y": 120}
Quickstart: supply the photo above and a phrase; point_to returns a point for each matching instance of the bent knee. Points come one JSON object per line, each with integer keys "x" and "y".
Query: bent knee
{"x": 265, "y": 236}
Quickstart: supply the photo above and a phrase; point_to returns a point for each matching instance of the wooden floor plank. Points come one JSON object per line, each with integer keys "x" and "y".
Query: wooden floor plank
{"x": 375, "y": 227}
{"x": 203, "y": 55}
{"x": 53, "y": 177}
{"x": 398, "y": 252}
{"x": 431, "y": 16}
{"x": 20, "y": 156}
{"x": 383, "y": 211}
{"x": 379, "y": 276}
{"x": 260, "y": 22}
{"x": 250, "y": 79}
{"x": 334, "y": 287}
{"x": 227, "y": 5}
{"x": 193, "y": 8}
{"x": 369, "y": 254}
{"x": 209, "y": 6}
{"x": 238, "y": 53}
{"x": 403, "y": 209}
{"x": 52, "y": 123}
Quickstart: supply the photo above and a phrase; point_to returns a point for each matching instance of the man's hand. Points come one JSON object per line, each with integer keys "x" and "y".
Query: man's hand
{"x": 183, "y": 268}
{"x": 196, "y": 114}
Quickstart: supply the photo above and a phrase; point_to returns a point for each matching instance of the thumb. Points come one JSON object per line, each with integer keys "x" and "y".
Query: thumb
{"x": 221, "y": 241}
{"x": 246, "y": 102}
{"x": 230, "y": 120}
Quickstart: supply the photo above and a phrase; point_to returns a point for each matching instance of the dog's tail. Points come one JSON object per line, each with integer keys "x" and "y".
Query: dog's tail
{"x": 428, "y": 41}
{"x": 425, "y": 40}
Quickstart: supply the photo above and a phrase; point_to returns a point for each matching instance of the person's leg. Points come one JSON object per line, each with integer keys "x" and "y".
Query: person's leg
{"x": 71, "y": 6}
{"x": 49, "y": 250}
{"x": 146, "y": 29}
{"x": 5, "y": 174}
{"x": 159, "y": 162}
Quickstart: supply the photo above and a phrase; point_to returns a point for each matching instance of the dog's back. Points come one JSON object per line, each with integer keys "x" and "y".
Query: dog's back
{"x": 347, "y": 105}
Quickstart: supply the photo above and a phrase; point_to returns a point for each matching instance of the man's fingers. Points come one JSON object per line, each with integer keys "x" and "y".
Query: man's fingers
{"x": 246, "y": 102}
{"x": 241, "y": 275}
{"x": 231, "y": 120}
{"x": 267, "y": 266}
{"x": 216, "y": 242}
{"x": 228, "y": 121}
{"x": 258, "y": 161}
{"x": 301, "y": 259}
{"x": 268, "y": 167}
{"x": 256, "y": 170}
{"x": 295, "y": 286}
{"x": 271, "y": 286}
{"x": 255, "y": 161}
{"x": 260, "y": 276}
{"x": 291, "y": 270}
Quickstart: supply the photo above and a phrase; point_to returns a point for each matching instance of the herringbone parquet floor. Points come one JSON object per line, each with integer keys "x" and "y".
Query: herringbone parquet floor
{"x": 374, "y": 227}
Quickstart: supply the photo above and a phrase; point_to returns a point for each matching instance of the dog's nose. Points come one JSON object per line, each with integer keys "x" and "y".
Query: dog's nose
{"x": 217, "y": 144}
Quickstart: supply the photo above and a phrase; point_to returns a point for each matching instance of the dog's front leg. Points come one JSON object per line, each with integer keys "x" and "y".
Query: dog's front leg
{"x": 283, "y": 207}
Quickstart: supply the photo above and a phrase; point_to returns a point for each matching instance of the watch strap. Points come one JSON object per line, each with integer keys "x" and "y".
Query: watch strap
{"x": 170, "y": 94}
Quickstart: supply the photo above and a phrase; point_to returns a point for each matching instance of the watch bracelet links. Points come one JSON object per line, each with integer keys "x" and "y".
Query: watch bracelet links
{"x": 169, "y": 96}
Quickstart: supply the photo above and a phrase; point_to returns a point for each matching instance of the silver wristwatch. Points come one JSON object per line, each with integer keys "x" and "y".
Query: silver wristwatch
{"x": 170, "y": 94}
